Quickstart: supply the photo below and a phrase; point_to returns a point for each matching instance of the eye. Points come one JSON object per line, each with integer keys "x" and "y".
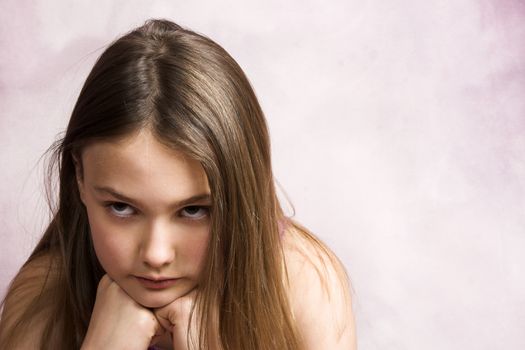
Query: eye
{"x": 120, "y": 209}
{"x": 195, "y": 212}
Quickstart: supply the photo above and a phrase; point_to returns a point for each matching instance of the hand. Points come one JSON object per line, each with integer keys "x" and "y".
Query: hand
{"x": 175, "y": 318}
{"x": 119, "y": 322}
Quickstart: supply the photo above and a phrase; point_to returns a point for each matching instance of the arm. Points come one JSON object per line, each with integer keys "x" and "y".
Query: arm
{"x": 321, "y": 300}
{"x": 117, "y": 321}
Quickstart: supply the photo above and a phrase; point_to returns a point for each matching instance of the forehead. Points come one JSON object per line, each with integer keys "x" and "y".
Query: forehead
{"x": 140, "y": 164}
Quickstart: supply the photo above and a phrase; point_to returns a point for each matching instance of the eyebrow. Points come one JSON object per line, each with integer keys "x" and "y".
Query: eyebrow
{"x": 124, "y": 198}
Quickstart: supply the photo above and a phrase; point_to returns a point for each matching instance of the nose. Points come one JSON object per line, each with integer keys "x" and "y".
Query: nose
{"x": 157, "y": 247}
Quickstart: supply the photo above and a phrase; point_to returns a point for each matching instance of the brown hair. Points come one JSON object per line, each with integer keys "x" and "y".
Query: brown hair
{"x": 195, "y": 98}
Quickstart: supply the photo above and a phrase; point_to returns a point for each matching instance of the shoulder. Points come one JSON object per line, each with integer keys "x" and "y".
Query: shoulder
{"x": 319, "y": 292}
{"x": 22, "y": 318}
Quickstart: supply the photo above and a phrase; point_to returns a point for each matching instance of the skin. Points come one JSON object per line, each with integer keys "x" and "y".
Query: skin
{"x": 150, "y": 236}
{"x": 153, "y": 237}
{"x": 145, "y": 235}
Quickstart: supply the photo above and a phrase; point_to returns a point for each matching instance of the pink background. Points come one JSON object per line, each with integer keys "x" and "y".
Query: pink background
{"x": 397, "y": 129}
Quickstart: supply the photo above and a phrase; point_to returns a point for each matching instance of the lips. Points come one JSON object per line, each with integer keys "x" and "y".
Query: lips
{"x": 157, "y": 283}
{"x": 156, "y": 279}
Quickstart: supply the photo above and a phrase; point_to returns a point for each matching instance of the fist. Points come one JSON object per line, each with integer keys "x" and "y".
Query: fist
{"x": 118, "y": 321}
{"x": 175, "y": 318}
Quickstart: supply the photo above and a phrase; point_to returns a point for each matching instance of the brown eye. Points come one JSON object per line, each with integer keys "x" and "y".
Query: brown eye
{"x": 120, "y": 209}
{"x": 195, "y": 212}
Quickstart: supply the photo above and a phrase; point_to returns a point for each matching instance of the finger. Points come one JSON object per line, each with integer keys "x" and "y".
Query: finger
{"x": 163, "y": 319}
{"x": 104, "y": 282}
{"x": 159, "y": 329}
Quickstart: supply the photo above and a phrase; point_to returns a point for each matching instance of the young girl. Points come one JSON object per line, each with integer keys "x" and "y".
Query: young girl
{"x": 168, "y": 233}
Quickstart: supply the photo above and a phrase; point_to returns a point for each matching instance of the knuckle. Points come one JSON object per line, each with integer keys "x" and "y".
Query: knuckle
{"x": 146, "y": 320}
{"x": 103, "y": 283}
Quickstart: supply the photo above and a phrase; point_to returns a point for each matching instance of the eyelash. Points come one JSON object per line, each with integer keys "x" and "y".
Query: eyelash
{"x": 110, "y": 208}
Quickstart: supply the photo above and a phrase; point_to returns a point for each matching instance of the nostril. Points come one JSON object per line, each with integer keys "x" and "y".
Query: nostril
{"x": 158, "y": 255}
{"x": 157, "y": 248}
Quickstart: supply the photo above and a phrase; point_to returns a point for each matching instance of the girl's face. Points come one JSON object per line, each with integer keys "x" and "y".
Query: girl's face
{"x": 148, "y": 209}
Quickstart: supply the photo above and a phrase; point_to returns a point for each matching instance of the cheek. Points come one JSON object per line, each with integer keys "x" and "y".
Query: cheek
{"x": 114, "y": 249}
{"x": 195, "y": 249}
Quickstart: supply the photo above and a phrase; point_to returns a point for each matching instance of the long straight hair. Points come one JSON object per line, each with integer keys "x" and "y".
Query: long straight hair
{"x": 196, "y": 99}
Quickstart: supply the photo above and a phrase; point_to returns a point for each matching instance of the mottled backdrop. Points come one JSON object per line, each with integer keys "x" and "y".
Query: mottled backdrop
{"x": 397, "y": 129}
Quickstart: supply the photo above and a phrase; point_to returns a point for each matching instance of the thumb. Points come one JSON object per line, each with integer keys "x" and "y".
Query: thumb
{"x": 167, "y": 316}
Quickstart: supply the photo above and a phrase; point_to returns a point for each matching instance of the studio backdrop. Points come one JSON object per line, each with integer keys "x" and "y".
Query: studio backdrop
{"x": 397, "y": 132}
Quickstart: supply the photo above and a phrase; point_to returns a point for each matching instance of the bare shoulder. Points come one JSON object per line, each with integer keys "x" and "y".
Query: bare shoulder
{"x": 19, "y": 304}
{"x": 319, "y": 292}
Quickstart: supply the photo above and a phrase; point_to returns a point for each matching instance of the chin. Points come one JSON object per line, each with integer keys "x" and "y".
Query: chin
{"x": 154, "y": 301}
{"x": 151, "y": 299}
